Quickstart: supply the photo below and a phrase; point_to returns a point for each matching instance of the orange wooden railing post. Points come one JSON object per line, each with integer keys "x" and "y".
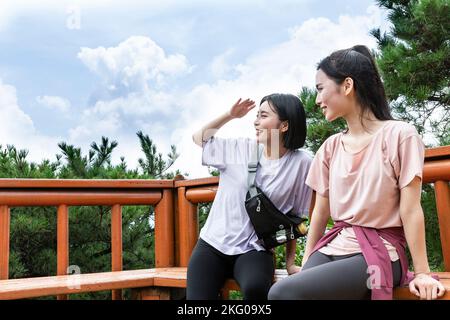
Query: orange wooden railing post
{"x": 176, "y": 216}
{"x": 442, "y": 191}
{"x": 4, "y": 241}
{"x": 62, "y": 243}
{"x": 187, "y": 226}
{"x": 164, "y": 231}
{"x": 116, "y": 245}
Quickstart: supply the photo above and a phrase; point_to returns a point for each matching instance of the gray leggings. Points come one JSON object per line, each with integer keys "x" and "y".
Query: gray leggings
{"x": 326, "y": 277}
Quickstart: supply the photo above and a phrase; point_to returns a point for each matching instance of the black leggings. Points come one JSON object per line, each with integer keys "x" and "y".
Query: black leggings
{"x": 209, "y": 268}
{"x": 326, "y": 277}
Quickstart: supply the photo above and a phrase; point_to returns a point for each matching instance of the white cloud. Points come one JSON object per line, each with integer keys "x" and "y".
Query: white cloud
{"x": 284, "y": 68}
{"x": 134, "y": 94}
{"x": 54, "y": 102}
{"x": 220, "y": 66}
{"x": 17, "y": 128}
{"x": 130, "y": 66}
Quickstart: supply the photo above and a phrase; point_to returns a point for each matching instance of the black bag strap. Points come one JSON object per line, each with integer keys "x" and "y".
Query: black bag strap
{"x": 255, "y": 155}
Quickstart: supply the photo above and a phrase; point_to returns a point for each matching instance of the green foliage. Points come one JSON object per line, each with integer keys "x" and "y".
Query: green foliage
{"x": 414, "y": 60}
{"x": 153, "y": 165}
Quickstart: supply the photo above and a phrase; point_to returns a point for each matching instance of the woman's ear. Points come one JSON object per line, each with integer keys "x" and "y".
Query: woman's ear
{"x": 348, "y": 85}
{"x": 284, "y": 126}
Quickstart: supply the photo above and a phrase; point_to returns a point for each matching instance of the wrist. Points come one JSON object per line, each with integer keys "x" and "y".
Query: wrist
{"x": 228, "y": 115}
{"x": 290, "y": 266}
{"x": 422, "y": 269}
{"x": 422, "y": 273}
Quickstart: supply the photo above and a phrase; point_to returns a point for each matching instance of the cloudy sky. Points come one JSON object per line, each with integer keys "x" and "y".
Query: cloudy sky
{"x": 77, "y": 70}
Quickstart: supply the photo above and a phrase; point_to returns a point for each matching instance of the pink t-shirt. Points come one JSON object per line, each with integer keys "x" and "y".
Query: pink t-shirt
{"x": 364, "y": 187}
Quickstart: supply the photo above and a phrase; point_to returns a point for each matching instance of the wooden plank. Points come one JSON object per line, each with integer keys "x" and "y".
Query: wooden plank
{"x": 170, "y": 277}
{"x": 197, "y": 182}
{"x": 5, "y": 217}
{"x": 170, "y": 281}
{"x": 86, "y": 183}
{"x": 68, "y": 284}
{"x": 151, "y": 294}
{"x": 87, "y": 198}
{"x": 164, "y": 231}
{"x": 116, "y": 245}
{"x": 437, "y": 153}
{"x": 62, "y": 243}
{"x": 436, "y": 170}
{"x": 201, "y": 194}
{"x": 442, "y": 191}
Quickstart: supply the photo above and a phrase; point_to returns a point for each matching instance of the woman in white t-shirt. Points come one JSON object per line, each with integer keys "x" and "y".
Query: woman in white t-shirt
{"x": 228, "y": 246}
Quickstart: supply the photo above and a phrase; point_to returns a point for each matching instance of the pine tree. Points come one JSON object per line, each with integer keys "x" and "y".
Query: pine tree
{"x": 414, "y": 60}
{"x": 154, "y": 166}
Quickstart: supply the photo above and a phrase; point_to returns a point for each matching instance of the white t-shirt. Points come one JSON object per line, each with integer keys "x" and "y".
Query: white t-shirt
{"x": 228, "y": 227}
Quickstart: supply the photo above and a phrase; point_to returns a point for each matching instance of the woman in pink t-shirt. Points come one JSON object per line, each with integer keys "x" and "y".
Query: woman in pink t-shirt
{"x": 368, "y": 179}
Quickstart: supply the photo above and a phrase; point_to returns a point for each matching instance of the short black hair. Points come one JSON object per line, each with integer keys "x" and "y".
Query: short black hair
{"x": 289, "y": 108}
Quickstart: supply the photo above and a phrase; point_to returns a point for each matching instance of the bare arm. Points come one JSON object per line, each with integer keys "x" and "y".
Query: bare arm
{"x": 291, "y": 246}
{"x": 238, "y": 110}
{"x": 319, "y": 220}
{"x": 412, "y": 217}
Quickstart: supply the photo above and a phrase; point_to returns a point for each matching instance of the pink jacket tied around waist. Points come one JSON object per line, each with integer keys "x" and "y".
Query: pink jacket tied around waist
{"x": 376, "y": 254}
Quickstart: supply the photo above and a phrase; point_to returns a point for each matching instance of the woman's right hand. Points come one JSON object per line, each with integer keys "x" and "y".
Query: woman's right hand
{"x": 241, "y": 108}
{"x": 238, "y": 110}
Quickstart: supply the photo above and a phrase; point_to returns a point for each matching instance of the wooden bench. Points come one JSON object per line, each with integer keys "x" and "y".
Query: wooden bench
{"x": 147, "y": 284}
{"x": 55, "y": 285}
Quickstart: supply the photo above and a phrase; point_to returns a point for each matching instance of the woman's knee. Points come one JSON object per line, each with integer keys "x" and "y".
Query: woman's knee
{"x": 276, "y": 292}
{"x": 281, "y": 291}
{"x": 299, "y": 286}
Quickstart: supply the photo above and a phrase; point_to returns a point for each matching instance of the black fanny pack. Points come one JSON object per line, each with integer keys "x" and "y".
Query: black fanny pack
{"x": 272, "y": 226}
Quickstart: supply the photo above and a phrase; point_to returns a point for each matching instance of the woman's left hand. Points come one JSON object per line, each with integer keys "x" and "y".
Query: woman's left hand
{"x": 426, "y": 287}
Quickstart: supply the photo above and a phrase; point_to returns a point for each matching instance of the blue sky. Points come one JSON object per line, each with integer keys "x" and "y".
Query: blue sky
{"x": 76, "y": 70}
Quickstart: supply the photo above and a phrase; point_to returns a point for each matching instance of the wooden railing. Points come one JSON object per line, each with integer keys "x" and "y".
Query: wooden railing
{"x": 176, "y": 210}
{"x": 66, "y": 193}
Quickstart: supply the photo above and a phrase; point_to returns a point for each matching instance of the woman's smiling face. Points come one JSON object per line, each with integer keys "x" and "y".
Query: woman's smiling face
{"x": 267, "y": 124}
{"x": 330, "y": 97}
